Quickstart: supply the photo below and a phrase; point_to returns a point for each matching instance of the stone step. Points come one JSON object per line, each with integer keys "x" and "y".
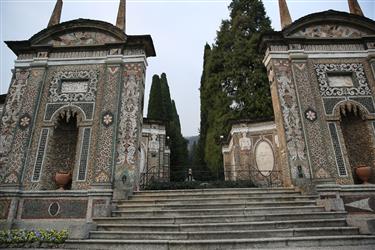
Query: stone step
{"x": 218, "y": 244}
{"x": 193, "y": 206}
{"x": 261, "y": 225}
{"x": 219, "y": 218}
{"x": 218, "y": 211}
{"x": 234, "y": 234}
{"x": 136, "y": 200}
{"x": 227, "y": 194}
{"x": 214, "y": 190}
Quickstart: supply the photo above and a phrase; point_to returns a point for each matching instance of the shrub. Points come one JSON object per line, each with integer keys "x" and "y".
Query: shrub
{"x": 21, "y": 237}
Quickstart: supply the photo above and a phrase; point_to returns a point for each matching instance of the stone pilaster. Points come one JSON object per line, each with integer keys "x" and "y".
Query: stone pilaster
{"x": 105, "y": 150}
{"x": 126, "y": 175}
{"x": 312, "y": 121}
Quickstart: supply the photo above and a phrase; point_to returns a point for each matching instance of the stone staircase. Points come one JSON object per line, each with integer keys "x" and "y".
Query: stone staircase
{"x": 221, "y": 219}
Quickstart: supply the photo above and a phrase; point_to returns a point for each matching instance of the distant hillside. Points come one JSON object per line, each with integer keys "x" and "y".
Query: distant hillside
{"x": 191, "y": 140}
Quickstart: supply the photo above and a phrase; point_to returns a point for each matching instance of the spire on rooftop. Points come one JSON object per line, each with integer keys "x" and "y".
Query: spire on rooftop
{"x": 56, "y": 14}
{"x": 285, "y": 18}
{"x": 355, "y": 8}
{"x": 121, "y": 15}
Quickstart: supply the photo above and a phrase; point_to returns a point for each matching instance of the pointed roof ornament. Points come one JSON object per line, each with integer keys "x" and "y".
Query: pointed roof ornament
{"x": 285, "y": 18}
{"x": 56, "y": 14}
{"x": 121, "y": 15}
{"x": 355, "y": 8}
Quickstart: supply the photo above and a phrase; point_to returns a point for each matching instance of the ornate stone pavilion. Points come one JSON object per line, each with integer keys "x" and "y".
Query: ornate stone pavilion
{"x": 74, "y": 104}
{"x": 321, "y": 72}
{"x": 155, "y": 153}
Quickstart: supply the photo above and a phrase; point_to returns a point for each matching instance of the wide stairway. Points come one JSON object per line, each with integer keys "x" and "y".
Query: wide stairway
{"x": 221, "y": 219}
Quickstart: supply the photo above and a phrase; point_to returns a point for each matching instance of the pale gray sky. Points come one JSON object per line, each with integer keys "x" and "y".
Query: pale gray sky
{"x": 179, "y": 28}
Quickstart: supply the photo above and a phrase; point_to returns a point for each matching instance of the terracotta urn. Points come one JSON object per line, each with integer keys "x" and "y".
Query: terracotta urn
{"x": 62, "y": 178}
{"x": 364, "y": 173}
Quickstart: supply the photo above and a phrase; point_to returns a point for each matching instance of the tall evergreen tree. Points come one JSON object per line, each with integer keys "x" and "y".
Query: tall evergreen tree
{"x": 162, "y": 107}
{"x": 234, "y": 82}
{"x": 155, "y": 104}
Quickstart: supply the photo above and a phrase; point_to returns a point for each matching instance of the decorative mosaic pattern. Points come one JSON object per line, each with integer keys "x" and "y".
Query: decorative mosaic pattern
{"x": 337, "y": 147}
{"x": 89, "y": 77}
{"x": 38, "y": 119}
{"x": 51, "y": 109}
{"x": 22, "y": 136}
{"x": 296, "y": 145}
{"x": 104, "y": 153}
{"x": 39, "y": 209}
{"x": 4, "y": 208}
{"x": 367, "y": 102}
{"x": 330, "y": 103}
{"x": 9, "y": 119}
{"x": 329, "y": 30}
{"x": 85, "y": 143}
{"x": 315, "y": 137}
{"x": 42, "y": 146}
{"x": 129, "y": 133}
{"x": 361, "y": 86}
{"x": 292, "y": 121}
{"x": 88, "y": 108}
{"x": 82, "y": 38}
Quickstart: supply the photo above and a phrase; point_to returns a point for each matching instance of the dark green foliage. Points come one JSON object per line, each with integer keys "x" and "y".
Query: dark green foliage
{"x": 234, "y": 83}
{"x": 155, "y": 110}
{"x": 179, "y": 151}
{"x": 162, "y": 107}
{"x": 198, "y": 185}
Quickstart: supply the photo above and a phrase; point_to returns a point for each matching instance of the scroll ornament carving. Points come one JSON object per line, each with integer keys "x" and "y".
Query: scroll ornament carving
{"x": 127, "y": 137}
{"x": 80, "y": 78}
{"x": 11, "y": 113}
{"x": 293, "y": 130}
{"x": 361, "y": 87}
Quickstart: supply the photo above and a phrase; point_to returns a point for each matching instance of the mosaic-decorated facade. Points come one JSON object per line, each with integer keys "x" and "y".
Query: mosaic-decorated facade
{"x": 252, "y": 153}
{"x": 74, "y": 105}
{"x": 321, "y": 75}
{"x": 155, "y": 153}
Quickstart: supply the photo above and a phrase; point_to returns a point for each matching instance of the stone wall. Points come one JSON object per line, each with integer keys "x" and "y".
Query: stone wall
{"x": 252, "y": 153}
{"x": 155, "y": 153}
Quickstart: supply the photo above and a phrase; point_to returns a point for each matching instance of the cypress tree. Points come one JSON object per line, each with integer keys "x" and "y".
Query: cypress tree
{"x": 155, "y": 110}
{"x": 162, "y": 107}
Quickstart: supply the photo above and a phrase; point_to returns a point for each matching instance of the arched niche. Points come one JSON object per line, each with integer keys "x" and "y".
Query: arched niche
{"x": 67, "y": 147}
{"x": 356, "y": 125}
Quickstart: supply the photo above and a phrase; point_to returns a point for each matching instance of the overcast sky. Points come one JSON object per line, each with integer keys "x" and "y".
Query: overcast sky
{"x": 179, "y": 28}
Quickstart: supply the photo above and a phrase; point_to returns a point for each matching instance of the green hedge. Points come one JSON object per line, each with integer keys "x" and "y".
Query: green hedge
{"x": 32, "y": 238}
{"x": 198, "y": 185}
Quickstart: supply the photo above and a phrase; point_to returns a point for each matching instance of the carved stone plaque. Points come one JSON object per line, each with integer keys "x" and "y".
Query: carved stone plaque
{"x": 343, "y": 81}
{"x": 74, "y": 86}
{"x": 264, "y": 158}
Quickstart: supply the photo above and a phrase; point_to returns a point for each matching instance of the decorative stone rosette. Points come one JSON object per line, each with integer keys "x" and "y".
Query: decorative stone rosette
{"x": 107, "y": 118}
{"x": 24, "y": 121}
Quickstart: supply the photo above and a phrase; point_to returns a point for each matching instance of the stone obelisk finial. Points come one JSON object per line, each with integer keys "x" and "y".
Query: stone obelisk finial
{"x": 355, "y": 8}
{"x": 56, "y": 14}
{"x": 121, "y": 15}
{"x": 285, "y": 18}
